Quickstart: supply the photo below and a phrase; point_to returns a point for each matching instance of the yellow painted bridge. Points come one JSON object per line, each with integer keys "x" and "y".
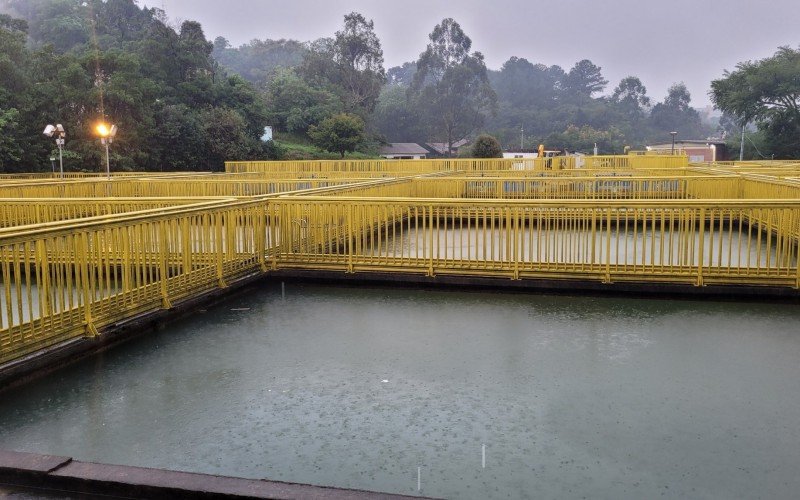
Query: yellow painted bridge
{"x": 82, "y": 253}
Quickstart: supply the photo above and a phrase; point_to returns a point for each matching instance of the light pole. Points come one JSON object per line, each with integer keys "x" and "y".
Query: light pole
{"x": 58, "y": 132}
{"x": 53, "y": 164}
{"x": 741, "y": 146}
{"x": 673, "y": 134}
{"x": 107, "y": 137}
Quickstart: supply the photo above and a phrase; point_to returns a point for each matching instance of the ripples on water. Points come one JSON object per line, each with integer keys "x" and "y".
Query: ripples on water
{"x": 357, "y": 387}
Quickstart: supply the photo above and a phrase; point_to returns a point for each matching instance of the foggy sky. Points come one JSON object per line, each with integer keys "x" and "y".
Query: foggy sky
{"x": 692, "y": 41}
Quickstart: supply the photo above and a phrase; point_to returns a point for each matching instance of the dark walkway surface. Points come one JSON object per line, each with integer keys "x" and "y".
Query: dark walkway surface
{"x": 33, "y": 475}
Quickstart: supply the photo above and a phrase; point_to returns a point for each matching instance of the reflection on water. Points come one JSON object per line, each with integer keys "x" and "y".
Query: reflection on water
{"x": 357, "y": 387}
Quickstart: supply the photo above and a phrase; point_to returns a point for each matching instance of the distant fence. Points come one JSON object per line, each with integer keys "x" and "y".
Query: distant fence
{"x": 466, "y": 165}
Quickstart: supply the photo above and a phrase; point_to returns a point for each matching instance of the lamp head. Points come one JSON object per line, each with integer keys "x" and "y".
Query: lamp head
{"x": 49, "y": 131}
{"x": 105, "y": 131}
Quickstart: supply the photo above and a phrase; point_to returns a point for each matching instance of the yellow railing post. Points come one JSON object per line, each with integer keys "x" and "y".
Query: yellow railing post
{"x": 430, "y": 240}
{"x": 607, "y": 278}
{"x": 350, "y": 236}
{"x": 260, "y": 236}
{"x": 701, "y": 245}
{"x": 82, "y": 254}
{"x": 163, "y": 264}
{"x": 219, "y": 249}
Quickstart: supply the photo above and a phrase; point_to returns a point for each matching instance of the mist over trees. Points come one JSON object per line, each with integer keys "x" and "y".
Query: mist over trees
{"x": 183, "y": 102}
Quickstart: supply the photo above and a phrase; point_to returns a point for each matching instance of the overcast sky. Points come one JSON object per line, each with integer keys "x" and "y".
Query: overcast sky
{"x": 660, "y": 42}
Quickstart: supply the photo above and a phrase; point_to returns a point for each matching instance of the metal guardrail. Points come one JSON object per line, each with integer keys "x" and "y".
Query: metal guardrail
{"x": 69, "y": 279}
{"x": 753, "y": 242}
{"x": 160, "y": 187}
{"x": 79, "y": 261}
{"x": 25, "y": 211}
{"x": 465, "y": 164}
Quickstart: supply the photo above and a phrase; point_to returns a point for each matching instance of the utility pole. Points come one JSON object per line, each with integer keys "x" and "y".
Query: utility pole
{"x": 521, "y": 137}
{"x": 741, "y": 148}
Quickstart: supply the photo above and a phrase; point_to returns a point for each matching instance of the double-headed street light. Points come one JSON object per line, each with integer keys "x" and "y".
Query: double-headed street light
{"x": 107, "y": 137}
{"x": 58, "y": 132}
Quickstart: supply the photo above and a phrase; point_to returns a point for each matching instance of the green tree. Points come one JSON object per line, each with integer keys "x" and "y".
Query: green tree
{"x": 402, "y": 75}
{"x": 225, "y": 138}
{"x": 486, "y": 146}
{"x": 13, "y": 58}
{"x": 294, "y": 105}
{"x": 10, "y": 151}
{"x": 358, "y": 54}
{"x": 338, "y": 134}
{"x": 585, "y": 79}
{"x": 395, "y": 118}
{"x": 451, "y": 85}
{"x": 349, "y": 65}
{"x": 631, "y": 94}
{"x": 528, "y": 97}
{"x": 767, "y": 92}
{"x": 259, "y": 60}
{"x": 676, "y": 114}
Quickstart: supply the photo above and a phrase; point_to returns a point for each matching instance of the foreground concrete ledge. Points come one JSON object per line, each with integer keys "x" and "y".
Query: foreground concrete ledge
{"x": 63, "y": 475}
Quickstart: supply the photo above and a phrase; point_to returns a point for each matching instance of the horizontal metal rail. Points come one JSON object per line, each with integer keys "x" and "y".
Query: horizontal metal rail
{"x": 467, "y": 164}
{"x": 659, "y": 241}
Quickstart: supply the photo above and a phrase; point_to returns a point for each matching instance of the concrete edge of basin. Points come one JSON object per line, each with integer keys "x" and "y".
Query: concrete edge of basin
{"x": 55, "y": 474}
{"x": 550, "y": 286}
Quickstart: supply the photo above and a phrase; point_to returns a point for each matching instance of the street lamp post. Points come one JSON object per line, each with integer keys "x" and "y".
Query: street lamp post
{"x": 53, "y": 164}
{"x": 58, "y": 132}
{"x": 673, "y": 134}
{"x": 107, "y": 137}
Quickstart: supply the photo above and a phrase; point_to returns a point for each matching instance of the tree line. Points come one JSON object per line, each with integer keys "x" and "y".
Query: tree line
{"x": 182, "y": 102}
{"x": 78, "y": 63}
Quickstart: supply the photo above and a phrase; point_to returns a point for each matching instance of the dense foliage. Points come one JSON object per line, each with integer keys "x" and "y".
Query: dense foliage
{"x": 766, "y": 92}
{"x": 80, "y": 62}
{"x": 182, "y": 102}
{"x": 338, "y": 134}
{"x": 486, "y": 146}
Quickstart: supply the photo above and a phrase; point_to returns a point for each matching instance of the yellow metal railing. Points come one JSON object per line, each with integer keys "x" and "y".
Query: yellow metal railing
{"x": 159, "y": 187}
{"x": 508, "y": 187}
{"x": 467, "y": 165}
{"x": 79, "y": 254}
{"x": 70, "y": 279}
{"x": 24, "y": 211}
{"x": 650, "y": 241}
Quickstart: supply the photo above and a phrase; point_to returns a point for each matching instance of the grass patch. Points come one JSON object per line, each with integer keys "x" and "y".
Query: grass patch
{"x": 299, "y": 147}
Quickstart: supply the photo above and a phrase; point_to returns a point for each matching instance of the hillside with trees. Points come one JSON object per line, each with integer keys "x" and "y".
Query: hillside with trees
{"x": 182, "y": 102}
